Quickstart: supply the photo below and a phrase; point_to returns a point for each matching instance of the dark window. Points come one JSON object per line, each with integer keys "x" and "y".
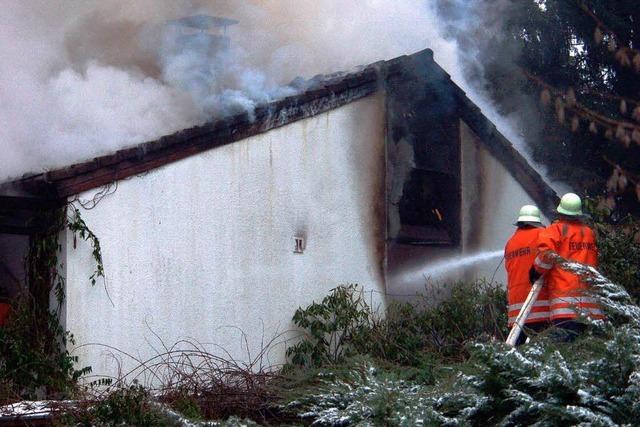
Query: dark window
{"x": 429, "y": 212}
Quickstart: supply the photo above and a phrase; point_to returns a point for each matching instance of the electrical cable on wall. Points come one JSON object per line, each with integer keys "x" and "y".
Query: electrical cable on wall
{"x": 106, "y": 190}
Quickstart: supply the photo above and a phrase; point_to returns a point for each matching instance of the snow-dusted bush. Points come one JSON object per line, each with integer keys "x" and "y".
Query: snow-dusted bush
{"x": 592, "y": 381}
{"x": 369, "y": 397}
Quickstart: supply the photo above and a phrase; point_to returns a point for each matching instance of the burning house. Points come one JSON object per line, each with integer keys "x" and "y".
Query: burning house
{"x": 230, "y": 226}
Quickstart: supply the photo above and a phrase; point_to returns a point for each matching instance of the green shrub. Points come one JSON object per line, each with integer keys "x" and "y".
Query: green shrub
{"x": 471, "y": 312}
{"x": 131, "y": 406}
{"x": 187, "y": 406}
{"x": 34, "y": 362}
{"x": 343, "y": 325}
{"x": 334, "y": 328}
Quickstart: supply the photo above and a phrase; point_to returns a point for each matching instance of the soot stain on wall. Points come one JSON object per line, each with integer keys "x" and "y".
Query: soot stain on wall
{"x": 423, "y": 159}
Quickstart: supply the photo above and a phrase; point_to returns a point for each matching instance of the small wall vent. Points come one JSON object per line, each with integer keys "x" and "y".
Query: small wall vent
{"x": 299, "y": 242}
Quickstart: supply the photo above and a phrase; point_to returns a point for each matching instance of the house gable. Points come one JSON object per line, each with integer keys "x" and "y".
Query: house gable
{"x": 203, "y": 238}
{"x": 320, "y": 94}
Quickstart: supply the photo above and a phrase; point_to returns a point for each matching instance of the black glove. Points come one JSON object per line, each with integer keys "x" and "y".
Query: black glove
{"x": 533, "y": 275}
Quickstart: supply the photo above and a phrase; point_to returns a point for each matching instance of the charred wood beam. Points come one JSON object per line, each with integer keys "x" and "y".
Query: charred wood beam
{"x": 500, "y": 147}
{"x": 320, "y": 94}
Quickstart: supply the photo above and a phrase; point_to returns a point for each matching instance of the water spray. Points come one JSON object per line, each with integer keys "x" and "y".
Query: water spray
{"x": 440, "y": 269}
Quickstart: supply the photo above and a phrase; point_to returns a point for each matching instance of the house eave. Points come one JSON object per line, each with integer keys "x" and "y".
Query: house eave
{"x": 321, "y": 94}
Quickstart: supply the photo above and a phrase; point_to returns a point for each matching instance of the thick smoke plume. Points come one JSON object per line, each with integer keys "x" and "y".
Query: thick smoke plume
{"x": 80, "y": 79}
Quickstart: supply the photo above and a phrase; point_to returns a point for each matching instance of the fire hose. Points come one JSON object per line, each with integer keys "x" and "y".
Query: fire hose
{"x": 518, "y": 324}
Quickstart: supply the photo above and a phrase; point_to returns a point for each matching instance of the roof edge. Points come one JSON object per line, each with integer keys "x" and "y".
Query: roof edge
{"x": 321, "y": 95}
{"x": 503, "y": 150}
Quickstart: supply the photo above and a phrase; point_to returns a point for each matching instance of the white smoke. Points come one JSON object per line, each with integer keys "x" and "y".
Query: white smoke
{"x": 80, "y": 79}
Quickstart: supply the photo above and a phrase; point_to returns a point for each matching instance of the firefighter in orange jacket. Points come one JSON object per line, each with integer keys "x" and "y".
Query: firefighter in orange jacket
{"x": 519, "y": 254}
{"x": 570, "y": 238}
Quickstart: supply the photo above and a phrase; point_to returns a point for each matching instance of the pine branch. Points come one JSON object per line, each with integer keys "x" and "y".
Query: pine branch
{"x": 625, "y": 55}
{"x": 625, "y": 131}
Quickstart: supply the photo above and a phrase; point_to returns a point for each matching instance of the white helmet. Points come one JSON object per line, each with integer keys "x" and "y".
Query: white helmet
{"x": 570, "y": 205}
{"x": 529, "y": 213}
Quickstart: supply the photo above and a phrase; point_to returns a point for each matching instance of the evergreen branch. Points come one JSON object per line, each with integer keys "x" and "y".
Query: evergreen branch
{"x": 623, "y": 130}
{"x": 623, "y": 54}
{"x": 634, "y": 179}
{"x": 595, "y": 18}
{"x": 610, "y": 96}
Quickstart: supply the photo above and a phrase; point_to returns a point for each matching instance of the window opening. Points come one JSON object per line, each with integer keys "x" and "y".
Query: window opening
{"x": 428, "y": 209}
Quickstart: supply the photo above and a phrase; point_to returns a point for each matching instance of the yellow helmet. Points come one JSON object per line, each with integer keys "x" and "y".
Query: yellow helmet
{"x": 529, "y": 213}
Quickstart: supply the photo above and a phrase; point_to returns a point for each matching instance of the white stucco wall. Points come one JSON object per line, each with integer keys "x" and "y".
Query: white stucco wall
{"x": 203, "y": 247}
{"x": 491, "y": 199}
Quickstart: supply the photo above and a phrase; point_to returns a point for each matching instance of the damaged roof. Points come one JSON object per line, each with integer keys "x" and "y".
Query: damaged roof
{"x": 320, "y": 94}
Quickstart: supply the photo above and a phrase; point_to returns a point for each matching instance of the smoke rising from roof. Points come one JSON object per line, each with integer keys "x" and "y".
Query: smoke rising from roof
{"x": 80, "y": 79}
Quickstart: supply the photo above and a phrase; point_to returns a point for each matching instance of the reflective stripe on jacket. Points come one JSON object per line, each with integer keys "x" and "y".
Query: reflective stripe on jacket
{"x": 519, "y": 254}
{"x": 573, "y": 241}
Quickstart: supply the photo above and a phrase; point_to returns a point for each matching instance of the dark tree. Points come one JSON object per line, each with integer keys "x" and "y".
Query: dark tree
{"x": 579, "y": 62}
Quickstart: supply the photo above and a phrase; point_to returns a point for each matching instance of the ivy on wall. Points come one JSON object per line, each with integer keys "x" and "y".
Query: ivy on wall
{"x": 34, "y": 360}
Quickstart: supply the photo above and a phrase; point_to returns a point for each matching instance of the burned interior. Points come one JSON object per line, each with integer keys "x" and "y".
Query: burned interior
{"x": 423, "y": 159}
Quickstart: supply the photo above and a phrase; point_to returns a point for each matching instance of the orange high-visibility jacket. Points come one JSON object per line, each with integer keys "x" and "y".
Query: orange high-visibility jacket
{"x": 519, "y": 254}
{"x": 573, "y": 241}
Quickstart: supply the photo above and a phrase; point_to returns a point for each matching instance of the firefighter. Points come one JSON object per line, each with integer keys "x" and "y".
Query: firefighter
{"x": 519, "y": 254}
{"x": 570, "y": 238}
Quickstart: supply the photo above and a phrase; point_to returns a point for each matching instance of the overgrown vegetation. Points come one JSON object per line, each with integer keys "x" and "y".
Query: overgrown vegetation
{"x": 413, "y": 334}
{"x": 202, "y": 385}
{"x": 595, "y": 380}
{"x": 618, "y": 248}
{"x": 438, "y": 361}
{"x": 131, "y": 405}
{"x": 443, "y": 326}
{"x": 475, "y": 381}
{"x": 34, "y": 360}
